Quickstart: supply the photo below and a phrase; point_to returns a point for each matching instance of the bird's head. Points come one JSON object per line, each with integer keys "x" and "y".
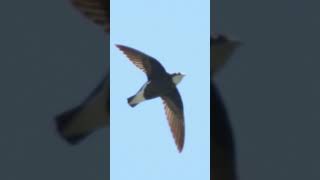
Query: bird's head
{"x": 177, "y": 77}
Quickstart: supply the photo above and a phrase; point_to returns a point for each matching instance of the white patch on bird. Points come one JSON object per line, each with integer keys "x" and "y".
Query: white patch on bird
{"x": 177, "y": 78}
{"x": 139, "y": 96}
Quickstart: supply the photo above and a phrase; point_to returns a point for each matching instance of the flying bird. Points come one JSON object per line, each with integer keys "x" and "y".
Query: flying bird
{"x": 93, "y": 113}
{"x": 221, "y": 50}
{"x": 96, "y": 10}
{"x": 159, "y": 84}
{"x": 224, "y": 165}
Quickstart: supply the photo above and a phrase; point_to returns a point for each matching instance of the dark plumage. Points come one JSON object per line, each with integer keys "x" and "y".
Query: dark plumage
{"x": 221, "y": 50}
{"x": 224, "y": 160}
{"x": 79, "y": 122}
{"x": 65, "y": 120}
{"x": 223, "y": 148}
{"x": 96, "y": 10}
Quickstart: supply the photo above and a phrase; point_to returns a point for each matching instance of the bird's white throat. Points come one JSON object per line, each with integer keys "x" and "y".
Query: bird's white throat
{"x": 177, "y": 78}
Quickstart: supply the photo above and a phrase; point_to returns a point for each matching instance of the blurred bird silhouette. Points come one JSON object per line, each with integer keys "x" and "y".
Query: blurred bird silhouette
{"x": 221, "y": 50}
{"x": 97, "y": 11}
{"x": 224, "y": 164}
{"x": 94, "y": 112}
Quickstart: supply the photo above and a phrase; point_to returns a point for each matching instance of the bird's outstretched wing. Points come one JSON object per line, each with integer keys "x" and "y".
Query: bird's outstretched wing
{"x": 221, "y": 49}
{"x": 174, "y": 111}
{"x": 224, "y": 166}
{"x": 96, "y": 10}
{"x": 146, "y": 63}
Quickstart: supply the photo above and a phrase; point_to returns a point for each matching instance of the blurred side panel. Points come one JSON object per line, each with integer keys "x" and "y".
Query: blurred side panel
{"x": 53, "y": 63}
{"x": 223, "y": 154}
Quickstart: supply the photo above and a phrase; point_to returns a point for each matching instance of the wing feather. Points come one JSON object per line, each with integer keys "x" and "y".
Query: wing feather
{"x": 147, "y": 64}
{"x": 96, "y": 10}
{"x": 174, "y": 111}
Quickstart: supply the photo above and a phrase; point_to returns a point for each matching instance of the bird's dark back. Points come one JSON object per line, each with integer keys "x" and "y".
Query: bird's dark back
{"x": 158, "y": 87}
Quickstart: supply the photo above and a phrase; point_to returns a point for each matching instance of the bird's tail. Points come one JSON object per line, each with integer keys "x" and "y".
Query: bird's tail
{"x": 66, "y": 121}
{"x": 132, "y": 101}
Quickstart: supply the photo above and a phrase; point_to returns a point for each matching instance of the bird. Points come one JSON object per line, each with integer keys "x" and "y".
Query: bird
{"x": 224, "y": 163}
{"x": 221, "y": 49}
{"x": 96, "y": 10}
{"x": 159, "y": 84}
{"x": 75, "y": 124}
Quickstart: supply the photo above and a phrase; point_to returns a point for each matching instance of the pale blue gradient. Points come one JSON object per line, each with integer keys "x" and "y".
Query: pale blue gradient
{"x": 177, "y": 34}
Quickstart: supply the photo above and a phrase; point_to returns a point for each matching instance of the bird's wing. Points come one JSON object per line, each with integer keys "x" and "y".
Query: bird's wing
{"x": 221, "y": 49}
{"x": 174, "y": 111}
{"x": 147, "y": 64}
{"x": 222, "y": 127}
{"x": 96, "y": 10}
{"x": 224, "y": 164}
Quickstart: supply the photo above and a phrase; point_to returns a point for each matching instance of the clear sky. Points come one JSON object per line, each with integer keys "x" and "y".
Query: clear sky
{"x": 177, "y": 34}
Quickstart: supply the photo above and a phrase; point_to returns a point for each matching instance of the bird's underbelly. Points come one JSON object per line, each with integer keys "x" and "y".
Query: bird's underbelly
{"x": 158, "y": 88}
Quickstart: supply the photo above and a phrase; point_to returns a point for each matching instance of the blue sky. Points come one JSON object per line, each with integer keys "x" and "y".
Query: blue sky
{"x": 177, "y": 34}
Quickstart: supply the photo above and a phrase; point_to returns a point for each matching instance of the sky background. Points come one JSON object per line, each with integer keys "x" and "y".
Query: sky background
{"x": 142, "y": 146}
{"x": 51, "y": 59}
{"x": 271, "y": 86}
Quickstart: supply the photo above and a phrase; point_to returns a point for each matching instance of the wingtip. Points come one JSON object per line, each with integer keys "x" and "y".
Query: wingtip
{"x": 122, "y": 48}
{"x": 180, "y": 144}
{"x": 119, "y": 46}
{"x": 180, "y": 148}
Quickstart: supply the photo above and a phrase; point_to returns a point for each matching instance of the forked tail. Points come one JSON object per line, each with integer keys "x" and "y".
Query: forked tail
{"x": 132, "y": 101}
{"x": 66, "y": 120}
